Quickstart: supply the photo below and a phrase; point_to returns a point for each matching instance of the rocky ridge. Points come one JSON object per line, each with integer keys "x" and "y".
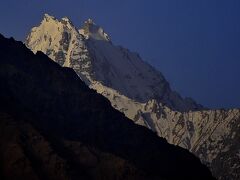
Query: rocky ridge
{"x": 53, "y": 126}
{"x": 143, "y": 95}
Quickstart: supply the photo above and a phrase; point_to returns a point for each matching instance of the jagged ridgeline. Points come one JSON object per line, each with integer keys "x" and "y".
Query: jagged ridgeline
{"x": 54, "y": 127}
{"x": 141, "y": 92}
{"x": 91, "y": 54}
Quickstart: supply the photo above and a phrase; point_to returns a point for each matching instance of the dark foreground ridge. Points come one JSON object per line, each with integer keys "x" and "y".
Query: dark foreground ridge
{"x": 52, "y": 126}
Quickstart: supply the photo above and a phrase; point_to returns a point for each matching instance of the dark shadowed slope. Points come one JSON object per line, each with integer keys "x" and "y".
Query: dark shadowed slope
{"x": 54, "y": 127}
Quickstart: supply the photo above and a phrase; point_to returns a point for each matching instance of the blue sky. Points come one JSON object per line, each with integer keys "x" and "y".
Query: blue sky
{"x": 195, "y": 44}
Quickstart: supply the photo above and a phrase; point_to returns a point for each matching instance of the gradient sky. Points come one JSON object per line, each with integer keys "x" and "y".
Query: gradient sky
{"x": 195, "y": 44}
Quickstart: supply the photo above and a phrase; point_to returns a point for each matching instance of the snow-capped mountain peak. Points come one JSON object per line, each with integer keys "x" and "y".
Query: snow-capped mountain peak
{"x": 67, "y": 22}
{"x": 48, "y": 17}
{"x": 66, "y": 19}
{"x": 93, "y": 31}
{"x": 140, "y": 91}
{"x": 90, "y": 21}
{"x": 59, "y": 39}
{"x": 90, "y": 54}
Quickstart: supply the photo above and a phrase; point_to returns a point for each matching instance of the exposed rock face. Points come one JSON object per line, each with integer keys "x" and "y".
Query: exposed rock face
{"x": 212, "y": 135}
{"x": 61, "y": 41}
{"x": 143, "y": 95}
{"x": 91, "y": 54}
{"x": 54, "y": 127}
{"x": 92, "y": 31}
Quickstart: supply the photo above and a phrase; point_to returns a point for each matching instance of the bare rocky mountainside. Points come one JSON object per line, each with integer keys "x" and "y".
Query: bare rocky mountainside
{"x": 52, "y": 126}
{"x": 141, "y": 92}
